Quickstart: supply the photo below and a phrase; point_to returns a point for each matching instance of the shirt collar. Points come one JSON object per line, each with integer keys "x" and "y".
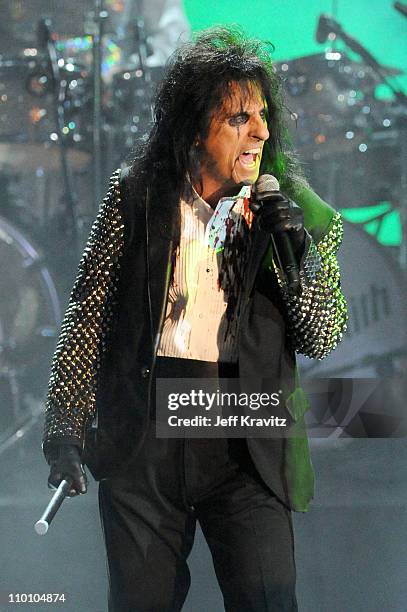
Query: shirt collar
{"x": 245, "y": 192}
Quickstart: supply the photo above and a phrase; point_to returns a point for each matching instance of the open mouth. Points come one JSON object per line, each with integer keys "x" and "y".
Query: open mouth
{"x": 249, "y": 158}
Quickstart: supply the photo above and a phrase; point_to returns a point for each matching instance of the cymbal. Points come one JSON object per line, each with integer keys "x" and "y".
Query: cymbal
{"x": 323, "y": 61}
{"x": 334, "y": 103}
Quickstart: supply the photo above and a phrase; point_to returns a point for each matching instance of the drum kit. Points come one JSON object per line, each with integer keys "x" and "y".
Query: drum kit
{"x": 53, "y": 102}
{"x": 354, "y": 145}
{"x": 343, "y": 132}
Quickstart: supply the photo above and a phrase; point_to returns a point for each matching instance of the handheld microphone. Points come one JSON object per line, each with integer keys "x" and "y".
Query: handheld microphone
{"x": 268, "y": 188}
{"x": 42, "y": 526}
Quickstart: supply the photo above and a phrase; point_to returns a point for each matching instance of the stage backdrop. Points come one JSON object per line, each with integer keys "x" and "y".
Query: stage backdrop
{"x": 291, "y": 25}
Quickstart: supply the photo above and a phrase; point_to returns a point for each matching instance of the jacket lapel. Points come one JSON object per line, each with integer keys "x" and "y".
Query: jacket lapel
{"x": 160, "y": 248}
{"x": 260, "y": 243}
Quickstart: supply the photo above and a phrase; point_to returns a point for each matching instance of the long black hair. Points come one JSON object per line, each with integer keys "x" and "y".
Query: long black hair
{"x": 196, "y": 83}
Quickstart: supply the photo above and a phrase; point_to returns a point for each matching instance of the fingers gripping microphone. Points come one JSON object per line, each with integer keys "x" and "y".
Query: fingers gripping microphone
{"x": 268, "y": 188}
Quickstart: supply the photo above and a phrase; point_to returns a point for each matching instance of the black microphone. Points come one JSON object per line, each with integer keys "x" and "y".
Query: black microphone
{"x": 268, "y": 188}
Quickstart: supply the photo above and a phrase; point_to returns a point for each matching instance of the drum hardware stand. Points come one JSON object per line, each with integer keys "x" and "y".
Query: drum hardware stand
{"x": 96, "y": 30}
{"x": 141, "y": 52}
{"x": 141, "y": 47}
{"x": 401, "y": 7}
{"x": 141, "y": 71}
{"x": 327, "y": 25}
{"x": 46, "y": 42}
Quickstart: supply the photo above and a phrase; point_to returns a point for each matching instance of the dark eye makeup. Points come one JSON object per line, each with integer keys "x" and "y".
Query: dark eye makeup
{"x": 241, "y": 118}
{"x": 238, "y": 119}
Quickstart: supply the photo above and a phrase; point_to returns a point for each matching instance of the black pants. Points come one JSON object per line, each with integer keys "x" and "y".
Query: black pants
{"x": 149, "y": 515}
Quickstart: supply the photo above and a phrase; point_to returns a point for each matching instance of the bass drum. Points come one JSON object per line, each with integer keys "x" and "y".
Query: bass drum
{"x": 29, "y": 321}
{"x": 376, "y": 295}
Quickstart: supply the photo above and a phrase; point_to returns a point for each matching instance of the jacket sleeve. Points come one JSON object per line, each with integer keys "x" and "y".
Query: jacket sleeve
{"x": 317, "y": 318}
{"x": 71, "y": 395}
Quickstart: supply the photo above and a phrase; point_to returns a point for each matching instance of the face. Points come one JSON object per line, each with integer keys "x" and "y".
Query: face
{"x": 232, "y": 151}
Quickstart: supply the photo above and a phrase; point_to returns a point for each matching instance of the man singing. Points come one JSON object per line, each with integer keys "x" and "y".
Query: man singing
{"x": 181, "y": 278}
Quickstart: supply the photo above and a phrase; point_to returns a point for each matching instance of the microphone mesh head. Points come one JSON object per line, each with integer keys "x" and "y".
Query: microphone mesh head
{"x": 41, "y": 527}
{"x": 267, "y": 182}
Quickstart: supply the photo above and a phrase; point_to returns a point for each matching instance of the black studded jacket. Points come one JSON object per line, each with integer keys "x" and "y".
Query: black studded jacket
{"x": 100, "y": 385}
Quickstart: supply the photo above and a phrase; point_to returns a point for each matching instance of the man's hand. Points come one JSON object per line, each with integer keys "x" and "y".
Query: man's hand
{"x": 278, "y": 215}
{"x": 65, "y": 461}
